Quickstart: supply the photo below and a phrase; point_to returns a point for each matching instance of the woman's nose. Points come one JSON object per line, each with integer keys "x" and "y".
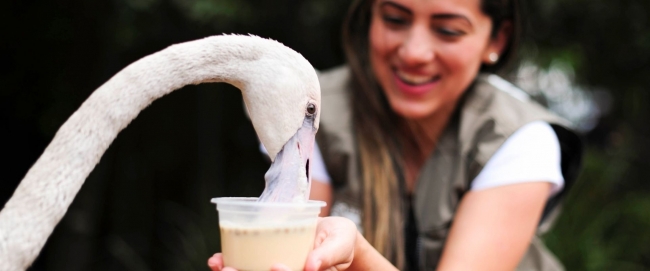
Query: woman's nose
{"x": 417, "y": 48}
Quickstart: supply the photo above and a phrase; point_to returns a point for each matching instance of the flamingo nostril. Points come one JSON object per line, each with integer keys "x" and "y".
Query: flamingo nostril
{"x": 307, "y": 170}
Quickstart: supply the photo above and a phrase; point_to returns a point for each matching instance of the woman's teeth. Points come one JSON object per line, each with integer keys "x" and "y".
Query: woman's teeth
{"x": 412, "y": 79}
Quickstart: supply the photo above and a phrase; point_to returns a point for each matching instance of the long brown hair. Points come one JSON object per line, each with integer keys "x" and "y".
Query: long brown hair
{"x": 376, "y": 125}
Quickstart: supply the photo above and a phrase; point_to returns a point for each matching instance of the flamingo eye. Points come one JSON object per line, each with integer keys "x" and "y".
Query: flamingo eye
{"x": 311, "y": 109}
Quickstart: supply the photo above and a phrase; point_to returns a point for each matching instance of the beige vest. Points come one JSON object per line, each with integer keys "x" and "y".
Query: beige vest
{"x": 489, "y": 113}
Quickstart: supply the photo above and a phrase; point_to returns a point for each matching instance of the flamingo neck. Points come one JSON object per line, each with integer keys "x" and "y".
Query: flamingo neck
{"x": 47, "y": 190}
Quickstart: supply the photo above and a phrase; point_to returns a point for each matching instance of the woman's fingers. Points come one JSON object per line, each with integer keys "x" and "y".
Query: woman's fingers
{"x": 334, "y": 245}
{"x": 329, "y": 254}
{"x": 314, "y": 263}
{"x": 280, "y": 267}
{"x": 216, "y": 262}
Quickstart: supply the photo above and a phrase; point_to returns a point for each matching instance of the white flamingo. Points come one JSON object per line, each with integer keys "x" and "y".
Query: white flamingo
{"x": 280, "y": 89}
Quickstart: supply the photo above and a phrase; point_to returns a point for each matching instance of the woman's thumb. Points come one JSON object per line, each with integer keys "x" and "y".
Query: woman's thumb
{"x": 328, "y": 254}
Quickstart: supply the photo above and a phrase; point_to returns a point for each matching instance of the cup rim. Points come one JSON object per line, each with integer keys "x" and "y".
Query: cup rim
{"x": 252, "y": 201}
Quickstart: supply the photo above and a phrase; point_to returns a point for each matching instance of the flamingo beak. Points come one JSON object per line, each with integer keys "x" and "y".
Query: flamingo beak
{"x": 288, "y": 179}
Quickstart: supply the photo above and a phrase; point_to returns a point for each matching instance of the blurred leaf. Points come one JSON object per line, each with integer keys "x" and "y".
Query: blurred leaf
{"x": 210, "y": 11}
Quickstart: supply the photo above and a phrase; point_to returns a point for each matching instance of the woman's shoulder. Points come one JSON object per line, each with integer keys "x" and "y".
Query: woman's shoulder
{"x": 335, "y": 135}
{"x": 497, "y": 101}
{"x": 336, "y": 114}
{"x": 492, "y": 111}
{"x": 335, "y": 131}
{"x": 334, "y": 81}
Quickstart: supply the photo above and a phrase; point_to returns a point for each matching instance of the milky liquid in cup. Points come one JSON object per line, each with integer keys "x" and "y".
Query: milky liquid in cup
{"x": 258, "y": 248}
{"x": 255, "y": 235}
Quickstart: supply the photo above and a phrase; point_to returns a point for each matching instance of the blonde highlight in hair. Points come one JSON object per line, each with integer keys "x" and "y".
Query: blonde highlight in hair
{"x": 375, "y": 125}
{"x": 383, "y": 229}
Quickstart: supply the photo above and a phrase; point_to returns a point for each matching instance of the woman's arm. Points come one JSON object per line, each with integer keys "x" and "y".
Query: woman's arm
{"x": 494, "y": 227}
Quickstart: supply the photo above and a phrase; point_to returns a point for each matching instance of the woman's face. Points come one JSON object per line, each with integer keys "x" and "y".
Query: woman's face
{"x": 425, "y": 53}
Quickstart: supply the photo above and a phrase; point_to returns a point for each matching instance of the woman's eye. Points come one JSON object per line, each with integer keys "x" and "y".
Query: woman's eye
{"x": 394, "y": 20}
{"x": 449, "y": 32}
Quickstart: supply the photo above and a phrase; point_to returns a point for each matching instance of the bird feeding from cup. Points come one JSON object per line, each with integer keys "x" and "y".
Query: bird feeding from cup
{"x": 255, "y": 235}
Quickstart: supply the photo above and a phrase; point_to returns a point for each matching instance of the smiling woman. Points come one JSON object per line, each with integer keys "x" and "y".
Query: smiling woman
{"x": 445, "y": 164}
{"x": 425, "y": 54}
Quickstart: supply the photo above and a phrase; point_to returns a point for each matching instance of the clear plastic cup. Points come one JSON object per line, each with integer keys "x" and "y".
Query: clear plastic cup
{"x": 256, "y": 235}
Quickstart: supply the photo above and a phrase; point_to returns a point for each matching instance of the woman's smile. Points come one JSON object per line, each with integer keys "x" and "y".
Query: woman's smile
{"x": 412, "y": 84}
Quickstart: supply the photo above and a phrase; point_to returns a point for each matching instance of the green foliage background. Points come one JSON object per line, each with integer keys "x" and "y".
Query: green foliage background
{"x": 145, "y": 207}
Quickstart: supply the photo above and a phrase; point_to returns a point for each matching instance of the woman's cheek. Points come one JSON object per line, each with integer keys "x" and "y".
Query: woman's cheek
{"x": 379, "y": 45}
{"x": 459, "y": 61}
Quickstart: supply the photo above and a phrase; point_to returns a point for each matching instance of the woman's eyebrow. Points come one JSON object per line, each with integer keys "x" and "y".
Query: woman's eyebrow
{"x": 395, "y": 5}
{"x": 450, "y": 16}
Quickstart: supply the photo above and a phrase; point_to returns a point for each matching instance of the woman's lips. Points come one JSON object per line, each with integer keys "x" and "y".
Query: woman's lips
{"x": 414, "y": 85}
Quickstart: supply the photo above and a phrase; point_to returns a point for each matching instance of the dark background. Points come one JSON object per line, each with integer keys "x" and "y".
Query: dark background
{"x": 146, "y": 205}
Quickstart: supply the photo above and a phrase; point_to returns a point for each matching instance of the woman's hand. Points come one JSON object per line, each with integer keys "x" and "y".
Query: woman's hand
{"x": 334, "y": 247}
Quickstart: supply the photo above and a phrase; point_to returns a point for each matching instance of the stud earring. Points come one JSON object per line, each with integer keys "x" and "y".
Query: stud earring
{"x": 494, "y": 57}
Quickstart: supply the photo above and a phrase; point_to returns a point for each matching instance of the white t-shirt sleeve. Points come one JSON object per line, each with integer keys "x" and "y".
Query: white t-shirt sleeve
{"x": 531, "y": 154}
{"x": 316, "y": 165}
